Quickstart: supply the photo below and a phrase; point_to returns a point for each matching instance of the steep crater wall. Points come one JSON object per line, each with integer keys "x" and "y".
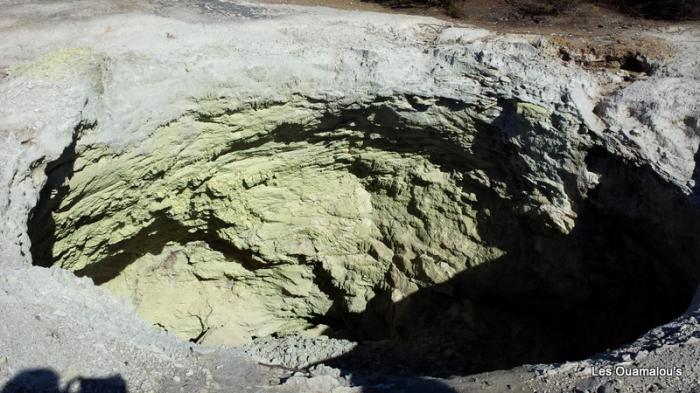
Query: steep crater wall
{"x": 483, "y": 235}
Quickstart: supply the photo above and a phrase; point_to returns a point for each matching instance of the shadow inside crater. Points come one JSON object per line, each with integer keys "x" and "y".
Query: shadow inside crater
{"x": 626, "y": 267}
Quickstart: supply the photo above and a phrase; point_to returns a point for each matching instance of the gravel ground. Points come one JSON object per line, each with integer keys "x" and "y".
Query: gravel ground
{"x": 58, "y": 329}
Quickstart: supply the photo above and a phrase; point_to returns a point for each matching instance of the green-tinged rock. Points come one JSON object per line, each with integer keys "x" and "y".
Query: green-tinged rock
{"x": 230, "y": 224}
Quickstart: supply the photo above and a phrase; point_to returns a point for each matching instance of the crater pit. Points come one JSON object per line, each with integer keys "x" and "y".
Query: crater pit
{"x": 449, "y": 237}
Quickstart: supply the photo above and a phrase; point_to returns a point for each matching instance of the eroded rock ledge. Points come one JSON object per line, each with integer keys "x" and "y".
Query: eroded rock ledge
{"x": 392, "y": 178}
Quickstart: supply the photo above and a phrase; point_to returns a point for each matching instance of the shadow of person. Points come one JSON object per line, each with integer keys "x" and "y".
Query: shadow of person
{"x": 33, "y": 381}
{"x": 42, "y": 380}
{"x": 113, "y": 384}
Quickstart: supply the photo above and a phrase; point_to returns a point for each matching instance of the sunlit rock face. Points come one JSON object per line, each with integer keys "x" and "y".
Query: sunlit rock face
{"x": 468, "y": 188}
{"x": 234, "y": 222}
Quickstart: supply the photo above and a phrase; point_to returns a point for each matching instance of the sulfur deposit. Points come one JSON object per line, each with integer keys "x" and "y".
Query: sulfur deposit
{"x": 454, "y": 199}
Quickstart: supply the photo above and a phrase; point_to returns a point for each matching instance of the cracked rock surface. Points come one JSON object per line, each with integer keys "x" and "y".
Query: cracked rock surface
{"x": 231, "y": 173}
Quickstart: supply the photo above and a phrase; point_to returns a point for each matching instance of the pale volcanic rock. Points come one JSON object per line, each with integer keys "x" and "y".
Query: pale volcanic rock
{"x": 236, "y": 171}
